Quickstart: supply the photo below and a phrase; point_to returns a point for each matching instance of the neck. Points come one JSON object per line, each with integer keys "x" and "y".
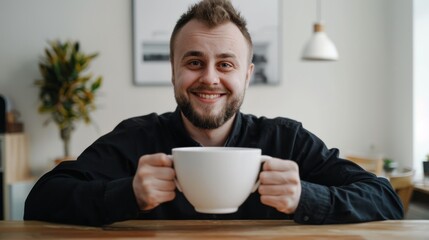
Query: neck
{"x": 209, "y": 137}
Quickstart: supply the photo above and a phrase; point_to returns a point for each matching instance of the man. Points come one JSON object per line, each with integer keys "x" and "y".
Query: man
{"x": 128, "y": 173}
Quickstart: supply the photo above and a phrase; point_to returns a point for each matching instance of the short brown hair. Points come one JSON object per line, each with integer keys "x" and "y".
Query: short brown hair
{"x": 212, "y": 13}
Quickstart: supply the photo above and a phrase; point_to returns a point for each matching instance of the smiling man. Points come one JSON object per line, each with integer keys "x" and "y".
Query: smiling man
{"x": 211, "y": 72}
{"x": 128, "y": 174}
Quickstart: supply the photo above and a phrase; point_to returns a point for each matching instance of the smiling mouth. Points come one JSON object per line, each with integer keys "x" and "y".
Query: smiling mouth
{"x": 208, "y": 96}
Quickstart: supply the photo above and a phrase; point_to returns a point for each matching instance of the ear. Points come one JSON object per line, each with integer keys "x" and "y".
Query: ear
{"x": 249, "y": 74}
{"x": 172, "y": 72}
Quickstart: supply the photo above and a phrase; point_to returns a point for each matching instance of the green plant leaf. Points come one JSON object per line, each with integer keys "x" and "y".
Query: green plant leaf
{"x": 97, "y": 84}
{"x": 65, "y": 93}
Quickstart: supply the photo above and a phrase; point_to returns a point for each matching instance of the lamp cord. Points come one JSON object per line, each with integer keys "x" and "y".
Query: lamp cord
{"x": 319, "y": 11}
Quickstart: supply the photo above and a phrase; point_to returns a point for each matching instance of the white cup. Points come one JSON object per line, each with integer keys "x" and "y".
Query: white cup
{"x": 217, "y": 179}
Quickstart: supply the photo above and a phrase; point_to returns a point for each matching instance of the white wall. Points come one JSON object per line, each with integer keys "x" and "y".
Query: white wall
{"x": 347, "y": 103}
{"x": 421, "y": 83}
{"x": 400, "y": 116}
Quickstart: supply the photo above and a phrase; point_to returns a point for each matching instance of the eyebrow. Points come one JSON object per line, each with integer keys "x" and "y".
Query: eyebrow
{"x": 192, "y": 54}
{"x": 201, "y": 54}
{"x": 226, "y": 55}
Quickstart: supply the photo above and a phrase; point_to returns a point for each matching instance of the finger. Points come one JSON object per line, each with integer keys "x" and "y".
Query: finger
{"x": 147, "y": 172}
{"x": 271, "y": 177}
{"x": 162, "y": 185}
{"x": 281, "y": 204}
{"x": 151, "y": 192}
{"x": 155, "y": 198}
{"x": 157, "y": 159}
{"x": 162, "y": 173}
{"x": 160, "y": 196}
{"x": 276, "y": 164}
{"x": 275, "y": 190}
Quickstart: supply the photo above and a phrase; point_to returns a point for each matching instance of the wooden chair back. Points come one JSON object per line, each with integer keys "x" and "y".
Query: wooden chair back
{"x": 374, "y": 165}
{"x": 402, "y": 182}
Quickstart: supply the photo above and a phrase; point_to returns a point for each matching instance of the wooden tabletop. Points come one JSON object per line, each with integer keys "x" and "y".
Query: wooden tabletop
{"x": 422, "y": 187}
{"x": 208, "y": 229}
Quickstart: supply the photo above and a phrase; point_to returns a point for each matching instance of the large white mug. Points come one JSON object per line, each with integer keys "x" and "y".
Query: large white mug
{"x": 217, "y": 179}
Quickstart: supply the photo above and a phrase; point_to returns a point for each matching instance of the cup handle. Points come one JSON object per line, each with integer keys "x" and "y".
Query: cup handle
{"x": 175, "y": 179}
{"x": 263, "y": 159}
{"x": 178, "y": 184}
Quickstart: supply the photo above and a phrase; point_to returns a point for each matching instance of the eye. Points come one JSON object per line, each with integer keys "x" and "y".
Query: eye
{"x": 225, "y": 66}
{"x": 194, "y": 64}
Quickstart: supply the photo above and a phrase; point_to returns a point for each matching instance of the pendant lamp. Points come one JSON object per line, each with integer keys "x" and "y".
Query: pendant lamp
{"x": 320, "y": 47}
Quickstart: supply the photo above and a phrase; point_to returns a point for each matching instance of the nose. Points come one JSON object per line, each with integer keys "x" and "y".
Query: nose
{"x": 210, "y": 76}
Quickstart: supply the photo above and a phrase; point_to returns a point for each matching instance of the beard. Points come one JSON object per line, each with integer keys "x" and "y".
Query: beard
{"x": 209, "y": 121}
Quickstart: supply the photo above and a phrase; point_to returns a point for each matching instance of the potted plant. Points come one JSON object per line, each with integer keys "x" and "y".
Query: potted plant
{"x": 426, "y": 166}
{"x": 66, "y": 93}
{"x": 389, "y": 165}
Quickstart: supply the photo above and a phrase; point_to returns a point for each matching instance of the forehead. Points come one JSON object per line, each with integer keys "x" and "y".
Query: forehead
{"x": 197, "y": 36}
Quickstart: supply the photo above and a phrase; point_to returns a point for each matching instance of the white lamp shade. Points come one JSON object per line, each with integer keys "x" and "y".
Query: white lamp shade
{"x": 320, "y": 47}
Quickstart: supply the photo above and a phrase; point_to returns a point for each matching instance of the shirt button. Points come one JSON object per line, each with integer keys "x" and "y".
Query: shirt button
{"x": 306, "y": 218}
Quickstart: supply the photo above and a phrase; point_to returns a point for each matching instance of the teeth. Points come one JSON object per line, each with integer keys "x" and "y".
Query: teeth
{"x": 209, "y": 96}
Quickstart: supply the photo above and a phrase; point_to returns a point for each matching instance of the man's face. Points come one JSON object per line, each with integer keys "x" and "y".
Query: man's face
{"x": 211, "y": 72}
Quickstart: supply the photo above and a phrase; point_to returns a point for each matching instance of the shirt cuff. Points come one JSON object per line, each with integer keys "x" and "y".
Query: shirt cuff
{"x": 314, "y": 204}
{"x": 120, "y": 201}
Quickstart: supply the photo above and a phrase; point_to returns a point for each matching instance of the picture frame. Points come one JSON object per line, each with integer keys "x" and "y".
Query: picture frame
{"x": 153, "y": 23}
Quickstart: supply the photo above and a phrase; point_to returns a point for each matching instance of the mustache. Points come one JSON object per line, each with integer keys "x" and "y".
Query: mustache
{"x": 201, "y": 88}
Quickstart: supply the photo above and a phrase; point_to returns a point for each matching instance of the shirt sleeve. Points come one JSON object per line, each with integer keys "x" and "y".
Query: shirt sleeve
{"x": 335, "y": 190}
{"x": 95, "y": 189}
{"x": 359, "y": 202}
{"x": 66, "y": 195}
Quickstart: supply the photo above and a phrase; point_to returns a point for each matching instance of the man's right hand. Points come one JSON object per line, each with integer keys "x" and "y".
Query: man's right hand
{"x": 153, "y": 182}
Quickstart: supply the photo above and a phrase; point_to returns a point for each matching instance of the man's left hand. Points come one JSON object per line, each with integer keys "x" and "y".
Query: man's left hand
{"x": 280, "y": 185}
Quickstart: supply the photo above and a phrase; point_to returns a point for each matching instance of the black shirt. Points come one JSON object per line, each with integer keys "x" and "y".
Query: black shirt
{"x": 96, "y": 189}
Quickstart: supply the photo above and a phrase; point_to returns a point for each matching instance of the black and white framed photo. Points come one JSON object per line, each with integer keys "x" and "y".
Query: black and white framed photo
{"x": 154, "y": 20}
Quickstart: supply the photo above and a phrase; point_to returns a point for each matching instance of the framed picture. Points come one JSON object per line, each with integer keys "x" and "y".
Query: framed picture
{"x": 154, "y": 20}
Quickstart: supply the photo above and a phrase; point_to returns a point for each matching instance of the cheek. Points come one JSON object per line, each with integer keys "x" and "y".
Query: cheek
{"x": 184, "y": 78}
{"x": 236, "y": 83}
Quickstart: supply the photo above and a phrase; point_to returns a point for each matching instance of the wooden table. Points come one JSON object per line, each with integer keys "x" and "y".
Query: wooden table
{"x": 208, "y": 229}
{"x": 422, "y": 187}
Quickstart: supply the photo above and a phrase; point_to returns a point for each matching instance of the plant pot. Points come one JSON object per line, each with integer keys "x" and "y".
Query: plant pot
{"x": 426, "y": 168}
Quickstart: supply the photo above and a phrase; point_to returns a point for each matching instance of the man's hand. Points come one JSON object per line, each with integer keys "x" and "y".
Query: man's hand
{"x": 280, "y": 185}
{"x": 153, "y": 182}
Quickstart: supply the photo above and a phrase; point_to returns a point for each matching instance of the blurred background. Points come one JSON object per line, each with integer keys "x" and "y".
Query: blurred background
{"x": 373, "y": 101}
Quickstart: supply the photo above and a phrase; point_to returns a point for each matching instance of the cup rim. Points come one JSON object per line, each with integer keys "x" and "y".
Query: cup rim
{"x": 213, "y": 149}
